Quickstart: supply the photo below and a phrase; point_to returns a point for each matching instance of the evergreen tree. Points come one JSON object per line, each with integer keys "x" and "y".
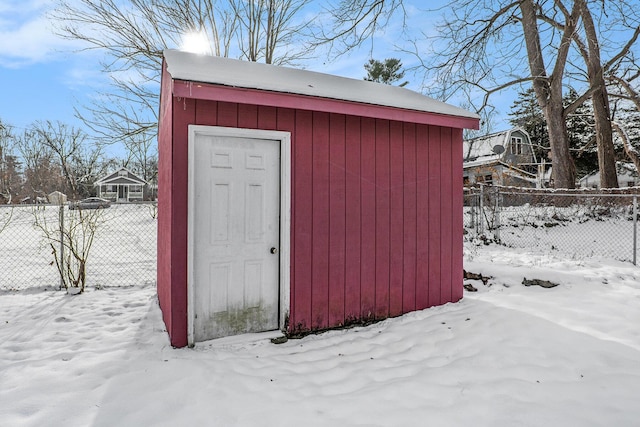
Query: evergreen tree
{"x": 582, "y": 140}
{"x": 388, "y": 72}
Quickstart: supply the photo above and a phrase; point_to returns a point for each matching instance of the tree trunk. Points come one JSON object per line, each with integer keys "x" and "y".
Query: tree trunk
{"x": 600, "y": 98}
{"x": 563, "y": 173}
{"x": 548, "y": 91}
{"x": 604, "y": 138}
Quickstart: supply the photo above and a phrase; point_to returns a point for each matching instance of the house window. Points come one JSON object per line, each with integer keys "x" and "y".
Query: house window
{"x": 516, "y": 146}
{"x": 122, "y": 173}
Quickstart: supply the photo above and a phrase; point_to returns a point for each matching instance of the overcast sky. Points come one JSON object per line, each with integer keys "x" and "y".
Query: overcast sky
{"x": 44, "y": 77}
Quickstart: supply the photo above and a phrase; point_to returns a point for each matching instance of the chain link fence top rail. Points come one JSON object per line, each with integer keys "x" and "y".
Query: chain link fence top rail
{"x": 576, "y": 223}
{"x": 123, "y": 251}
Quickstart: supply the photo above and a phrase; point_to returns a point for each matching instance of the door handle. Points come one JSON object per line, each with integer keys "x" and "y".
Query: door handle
{"x": 274, "y": 250}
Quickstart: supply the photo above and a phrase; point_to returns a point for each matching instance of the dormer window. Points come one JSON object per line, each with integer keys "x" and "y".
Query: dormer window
{"x": 516, "y": 146}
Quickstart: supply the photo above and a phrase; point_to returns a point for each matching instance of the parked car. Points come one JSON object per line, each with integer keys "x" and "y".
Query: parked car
{"x": 90, "y": 203}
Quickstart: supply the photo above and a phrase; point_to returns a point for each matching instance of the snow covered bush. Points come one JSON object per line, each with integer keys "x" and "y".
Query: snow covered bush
{"x": 70, "y": 234}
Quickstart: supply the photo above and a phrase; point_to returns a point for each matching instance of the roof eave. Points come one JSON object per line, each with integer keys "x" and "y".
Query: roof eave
{"x": 215, "y": 92}
{"x": 110, "y": 180}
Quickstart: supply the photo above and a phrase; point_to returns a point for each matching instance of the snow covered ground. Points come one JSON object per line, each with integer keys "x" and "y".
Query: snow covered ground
{"x": 124, "y": 247}
{"x": 507, "y": 355}
{"x": 579, "y": 231}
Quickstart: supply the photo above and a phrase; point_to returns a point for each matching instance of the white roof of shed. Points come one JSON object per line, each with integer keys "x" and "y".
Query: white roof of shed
{"x": 253, "y": 75}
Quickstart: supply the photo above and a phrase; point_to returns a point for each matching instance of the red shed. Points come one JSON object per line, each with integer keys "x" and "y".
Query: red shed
{"x": 300, "y": 201}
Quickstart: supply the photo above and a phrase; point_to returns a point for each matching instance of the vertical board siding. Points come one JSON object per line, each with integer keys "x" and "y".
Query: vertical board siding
{"x": 184, "y": 115}
{"x": 376, "y": 213}
{"x": 353, "y": 219}
{"x": 267, "y": 118}
{"x": 446, "y": 202}
{"x": 433, "y": 216}
{"x": 337, "y": 218}
{"x": 409, "y": 222}
{"x": 227, "y": 114}
{"x": 165, "y": 171}
{"x": 302, "y": 208}
{"x": 248, "y": 116}
{"x": 456, "y": 214}
{"x": 368, "y": 221}
{"x": 396, "y": 220}
{"x": 286, "y": 121}
{"x": 423, "y": 189}
{"x": 206, "y": 113}
{"x": 320, "y": 224}
{"x": 382, "y": 209}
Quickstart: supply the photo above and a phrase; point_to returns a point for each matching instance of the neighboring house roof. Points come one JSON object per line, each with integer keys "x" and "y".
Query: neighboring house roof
{"x": 482, "y": 151}
{"x": 266, "y": 77}
{"x": 623, "y": 170}
{"x": 481, "y": 148}
{"x": 627, "y": 168}
{"x": 122, "y": 176}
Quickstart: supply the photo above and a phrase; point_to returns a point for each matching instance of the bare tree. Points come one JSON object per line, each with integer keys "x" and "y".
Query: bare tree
{"x": 353, "y": 22}
{"x": 10, "y": 176}
{"x": 142, "y": 158}
{"x": 264, "y": 25}
{"x": 41, "y": 173}
{"x": 600, "y": 99}
{"x": 78, "y": 163}
{"x": 133, "y": 36}
{"x": 591, "y": 40}
{"x": 548, "y": 87}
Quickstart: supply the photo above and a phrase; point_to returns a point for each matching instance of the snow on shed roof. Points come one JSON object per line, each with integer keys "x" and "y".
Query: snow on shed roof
{"x": 253, "y": 75}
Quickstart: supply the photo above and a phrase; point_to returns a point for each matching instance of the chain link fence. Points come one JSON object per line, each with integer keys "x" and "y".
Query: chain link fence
{"x": 123, "y": 250}
{"x": 580, "y": 224}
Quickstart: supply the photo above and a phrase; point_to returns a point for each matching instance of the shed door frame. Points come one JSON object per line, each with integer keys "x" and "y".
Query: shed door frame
{"x": 285, "y": 212}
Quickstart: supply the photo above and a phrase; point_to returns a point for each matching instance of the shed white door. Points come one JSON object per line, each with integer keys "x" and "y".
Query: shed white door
{"x": 236, "y": 192}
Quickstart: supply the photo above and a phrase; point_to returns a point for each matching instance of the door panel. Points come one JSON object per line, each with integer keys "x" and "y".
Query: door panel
{"x": 236, "y": 223}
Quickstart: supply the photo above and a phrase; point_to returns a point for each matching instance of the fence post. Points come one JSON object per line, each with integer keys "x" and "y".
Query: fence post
{"x": 61, "y": 219}
{"x": 481, "y": 211}
{"x": 496, "y": 234}
{"x": 635, "y": 229}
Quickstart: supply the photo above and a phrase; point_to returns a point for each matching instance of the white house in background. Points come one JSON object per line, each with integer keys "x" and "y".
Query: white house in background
{"x": 502, "y": 158}
{"x": 627, "y": 177}
{"x": 121, "y": 186}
